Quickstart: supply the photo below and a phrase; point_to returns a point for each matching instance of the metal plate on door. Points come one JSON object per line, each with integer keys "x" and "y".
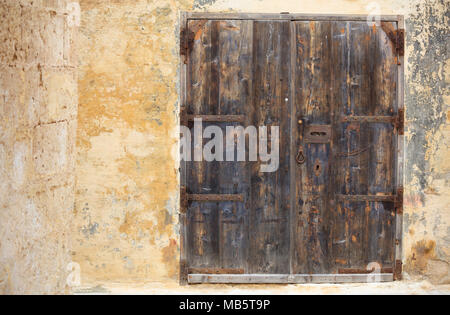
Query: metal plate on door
{"x": 318, "y": 134}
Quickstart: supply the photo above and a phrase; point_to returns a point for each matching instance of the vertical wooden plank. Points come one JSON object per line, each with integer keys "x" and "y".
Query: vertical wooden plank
{"x": 366, "y": 150}
{"x": 340, "y": 95}
{"x": 269, "y": 221}
{"x": 203, "y": 235}
{"x": 313, "y": 106}
{"x": 358, "y": 146}
{"x": 235, "y": 71}
{"x": 382, "y": 167}
{"x": 202, "y": 97}
{"x": 293, "y": 150}
{"x": 220, "y": 69}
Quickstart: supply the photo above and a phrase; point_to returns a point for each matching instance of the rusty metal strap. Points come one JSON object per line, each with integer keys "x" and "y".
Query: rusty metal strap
{"x": 398, "y": 120}
{"x": 216, "y": 271}
{"x": 370, "y": 119}
{"x": 399, "y": 200}
{"x": 212, "y": 197}
{"x": 218, "y": 118}
{"x": 398, "y": 270}
{"x": 356, "y": 198}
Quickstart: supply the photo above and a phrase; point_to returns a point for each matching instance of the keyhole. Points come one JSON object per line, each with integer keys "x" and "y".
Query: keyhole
{"x": 318, "y": 168}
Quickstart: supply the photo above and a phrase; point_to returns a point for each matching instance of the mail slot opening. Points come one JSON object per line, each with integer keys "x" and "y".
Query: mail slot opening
{"x": 318, "y": 134}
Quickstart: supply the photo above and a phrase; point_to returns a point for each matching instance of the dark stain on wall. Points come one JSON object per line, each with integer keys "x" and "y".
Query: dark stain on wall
{"x": 200, "y": 4}
{"x": 422, "y": 252}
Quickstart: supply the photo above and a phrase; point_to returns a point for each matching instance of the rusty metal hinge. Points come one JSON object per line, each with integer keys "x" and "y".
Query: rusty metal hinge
{"x": 399, "y": 201}
{"x": 400, "y": 42}
{"x": 184, "y": 272}
{"x": 397, "y": 38}
{"x": 186, "y": 42}
{"x": 400, "y": 122}
{"x": 398, "y": 270}
{"x": 183, "y": 116}
{"x": 184, "y": 202}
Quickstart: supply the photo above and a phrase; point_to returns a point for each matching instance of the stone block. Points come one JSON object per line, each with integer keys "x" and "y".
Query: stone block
{"x": 52, "y": 33}
{"x": 21, "y": 159}
{"x": 50, "y": 148}
{"x": 32, "y": 43}
{"x": 11, "y": 87}
{"x": 59, "y": 96}
{"x": 56, "y": 204}
{"x": 19, "y": 93}
{"x": 11, "y": 34}
{"x": 70, "y": 48}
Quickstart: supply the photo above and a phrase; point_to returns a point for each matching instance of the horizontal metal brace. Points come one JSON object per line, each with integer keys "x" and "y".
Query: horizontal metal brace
{"x": 375, "y": 198}
{"x": 186, "y": 198}
{"x": 369, "y": 119}
{"x": 398, "y": 120}
{"x": 216, "y": 271}
{"x": 211, "y": 197}
{"x": 218, "y": 118}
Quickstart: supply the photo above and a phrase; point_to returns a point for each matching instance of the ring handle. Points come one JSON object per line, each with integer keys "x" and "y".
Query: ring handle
{"x": 301, "y": 159}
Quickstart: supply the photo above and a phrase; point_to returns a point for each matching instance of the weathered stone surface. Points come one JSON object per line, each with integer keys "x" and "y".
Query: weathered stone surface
{"x": 21, "y": 162}
{"x": 59, "y": 98}
{"x": 439, "y": 271}
{"x": 50, "y": 148}
{"x": 38, "y": 104}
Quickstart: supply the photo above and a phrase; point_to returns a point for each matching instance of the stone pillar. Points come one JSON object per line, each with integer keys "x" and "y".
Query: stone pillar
{"x": 38, "y": 109}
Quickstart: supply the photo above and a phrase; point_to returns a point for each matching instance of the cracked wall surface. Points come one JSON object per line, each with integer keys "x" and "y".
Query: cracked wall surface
{"x": 126, "y": 223}
{"x": 38, "y": 107}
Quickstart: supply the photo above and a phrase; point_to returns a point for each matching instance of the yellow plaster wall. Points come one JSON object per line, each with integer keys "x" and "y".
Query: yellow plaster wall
{"x": 127, "y": 183}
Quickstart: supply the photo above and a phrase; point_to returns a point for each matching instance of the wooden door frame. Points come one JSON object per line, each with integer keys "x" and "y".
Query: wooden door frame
{"x": 185, "y": 277}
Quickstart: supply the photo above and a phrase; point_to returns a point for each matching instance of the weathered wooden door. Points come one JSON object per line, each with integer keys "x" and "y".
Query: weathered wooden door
{"x": 330, "y": 213}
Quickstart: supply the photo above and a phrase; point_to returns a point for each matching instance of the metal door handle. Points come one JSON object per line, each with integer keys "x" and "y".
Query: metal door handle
{"x": 301, "y": 159}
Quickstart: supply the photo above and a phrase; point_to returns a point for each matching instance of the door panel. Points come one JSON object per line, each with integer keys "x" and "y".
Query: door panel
{"x": 344, "y": 69}
{"x": 269, "y": 226}
{"x": 229, "y": 73}
{"x": 219, "y": 72}
{"x": 313, "y": 104}
{"x": 331, "y": 88}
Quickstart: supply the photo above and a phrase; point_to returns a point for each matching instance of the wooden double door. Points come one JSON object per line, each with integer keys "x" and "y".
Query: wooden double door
{"x": 330, "y": 211}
